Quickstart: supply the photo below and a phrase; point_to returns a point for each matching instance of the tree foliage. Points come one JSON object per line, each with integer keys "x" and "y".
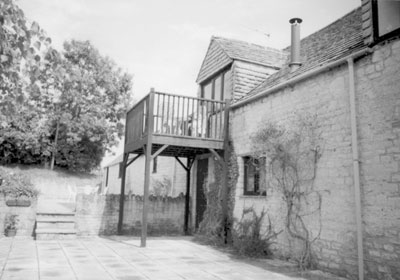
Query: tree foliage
{"x": 56, "y": 106}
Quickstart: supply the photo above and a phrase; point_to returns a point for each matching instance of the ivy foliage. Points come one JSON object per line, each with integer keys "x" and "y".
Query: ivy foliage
{"x": 65, "y": 107}
{"x": 213, "y": 229}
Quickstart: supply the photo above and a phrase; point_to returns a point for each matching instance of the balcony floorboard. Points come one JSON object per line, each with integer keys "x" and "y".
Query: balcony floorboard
{"x": 181, "y": 146}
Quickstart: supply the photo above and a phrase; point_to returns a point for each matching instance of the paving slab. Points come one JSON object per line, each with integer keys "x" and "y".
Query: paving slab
{"x": 121, "y": 258}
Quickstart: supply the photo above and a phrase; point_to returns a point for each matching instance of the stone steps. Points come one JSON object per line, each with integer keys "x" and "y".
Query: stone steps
{"x": 58, "y": 225}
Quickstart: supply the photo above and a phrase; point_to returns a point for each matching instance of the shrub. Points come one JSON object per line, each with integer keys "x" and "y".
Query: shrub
{"x": 16, "y": 184}
{"x": 10, "y": 222}
{"x": 247, "y": 237}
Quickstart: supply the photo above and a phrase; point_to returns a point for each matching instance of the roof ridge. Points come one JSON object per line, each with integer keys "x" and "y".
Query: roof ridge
{"x": 321, "y": 47}
{"x": 247, "y": 43}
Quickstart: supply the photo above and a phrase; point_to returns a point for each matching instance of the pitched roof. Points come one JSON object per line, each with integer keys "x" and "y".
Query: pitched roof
{"x": 115, "y": 161}
{"x": 335, "y": 41}
{"x": 222, "y": 51}
{"x": 118, "y": 159}
{"x": 249, "y": 52}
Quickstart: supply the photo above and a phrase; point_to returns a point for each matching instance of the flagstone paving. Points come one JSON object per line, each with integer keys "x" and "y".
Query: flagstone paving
{"x": 122, "y": 259}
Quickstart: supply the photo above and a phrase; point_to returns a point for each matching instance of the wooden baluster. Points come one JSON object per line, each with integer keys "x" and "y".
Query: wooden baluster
{"x": 177, "y": 117}
{"x": 206, "y": 126}
{"x": 162, "y": 114}
{"x": 183, "y": 116}
{"x": 187, "y": 117}
{"x": 172, "y": 115}
{"x": 197, "y": 118}
{"x": 203, "y": 103}
{"x": 216, "y": 119}
{"x": 192, "y": 124}
{"x": 169, "y": 104}
{"x": 157, "y": 96}
{"x": 220, "y": 121}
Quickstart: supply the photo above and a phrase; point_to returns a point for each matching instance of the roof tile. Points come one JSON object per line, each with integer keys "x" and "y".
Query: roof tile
{"x": 335, "y": 41}
{"x": 222, "y": 51}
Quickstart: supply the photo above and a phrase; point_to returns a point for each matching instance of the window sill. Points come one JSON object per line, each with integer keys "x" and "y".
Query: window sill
{"x": 252, "y": 196}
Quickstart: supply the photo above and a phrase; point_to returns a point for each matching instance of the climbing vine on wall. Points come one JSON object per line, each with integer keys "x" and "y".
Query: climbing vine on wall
{"x": 292, "y": 155}
{"x": 211, "y": 227}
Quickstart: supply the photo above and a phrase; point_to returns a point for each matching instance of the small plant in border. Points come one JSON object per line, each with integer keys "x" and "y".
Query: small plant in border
{"x": 10, "y": 224}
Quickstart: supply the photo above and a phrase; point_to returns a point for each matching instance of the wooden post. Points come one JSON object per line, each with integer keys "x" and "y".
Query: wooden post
{"x": 187, "y": 197}
{"x": 122, "y": 195}
{"x": 149, "y": 145}
{"x": 188, "y": 167}
{"x": 224, "y": 181}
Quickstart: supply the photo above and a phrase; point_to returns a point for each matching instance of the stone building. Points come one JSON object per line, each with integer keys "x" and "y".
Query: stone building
{"x": 345, "y": 80}
{"x": 347, "y": 77}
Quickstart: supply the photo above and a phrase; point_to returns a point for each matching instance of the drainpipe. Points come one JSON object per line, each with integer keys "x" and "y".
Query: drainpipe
{"x": 356, "y": 169}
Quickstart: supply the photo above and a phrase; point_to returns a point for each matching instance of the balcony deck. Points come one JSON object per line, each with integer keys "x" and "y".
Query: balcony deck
{"x": 182, "y": 126}
{"x": 177, "y": 126}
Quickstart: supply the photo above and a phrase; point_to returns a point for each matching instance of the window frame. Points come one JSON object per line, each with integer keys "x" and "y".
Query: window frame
{"x": 375, "y": 23}
{"x": 155, "y": 165}
{"x": 212, "y": 80}
{"x": 260, "y": 189}
{"x": 107, "y": 174}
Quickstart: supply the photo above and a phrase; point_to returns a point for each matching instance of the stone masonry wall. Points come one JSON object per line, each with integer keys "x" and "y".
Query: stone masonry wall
{"x": 98, "y": 215}
{"x": 378, "y": 88}
{"x": 26, "y": 217}
{"x": 378, "y": 107}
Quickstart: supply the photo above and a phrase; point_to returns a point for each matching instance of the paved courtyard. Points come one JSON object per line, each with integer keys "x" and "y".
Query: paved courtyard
{"x": 123, "y": 259}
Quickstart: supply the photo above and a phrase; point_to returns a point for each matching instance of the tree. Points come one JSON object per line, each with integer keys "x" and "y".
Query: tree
{"x": 20, "y": 56}
{"x": 95, "y": 95}
{"x": 60, "y": 107}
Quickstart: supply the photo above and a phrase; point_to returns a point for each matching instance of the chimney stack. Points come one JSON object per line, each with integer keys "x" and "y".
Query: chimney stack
{"x": 295, "y": 44}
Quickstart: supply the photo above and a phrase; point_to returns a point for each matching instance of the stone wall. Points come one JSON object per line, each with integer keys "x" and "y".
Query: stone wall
{"x": 98, "y": 215}
{"x": 26, "y": 217}
{"x": 377, "y": 78}
{"x": 378, "y": 87}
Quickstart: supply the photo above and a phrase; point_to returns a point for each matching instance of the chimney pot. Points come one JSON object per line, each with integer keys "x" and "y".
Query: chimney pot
{"x": 295, "y": 44}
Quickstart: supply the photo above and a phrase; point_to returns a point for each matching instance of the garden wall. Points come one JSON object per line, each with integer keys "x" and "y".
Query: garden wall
{"x": 98, "y": 214}
{"x": 26, "y": 217}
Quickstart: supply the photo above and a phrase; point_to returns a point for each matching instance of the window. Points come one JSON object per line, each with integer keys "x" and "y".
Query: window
{"x": 227, "y": 88}
{"x": 215, "y": 88}
{"x": 121, "y": 166}
{"x": 207, "y": 91}
{"x": 155, "y": 165}
{"x": 386, "y": 18}
{"x": 108, "y": 170}
{"x": 254, "y": 176}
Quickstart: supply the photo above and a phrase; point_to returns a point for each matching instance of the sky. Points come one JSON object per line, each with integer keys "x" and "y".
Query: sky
{"x": 162, "y": 43}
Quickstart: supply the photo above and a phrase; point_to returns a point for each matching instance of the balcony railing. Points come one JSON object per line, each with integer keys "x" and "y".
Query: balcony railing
{"x": 176, "y": 116}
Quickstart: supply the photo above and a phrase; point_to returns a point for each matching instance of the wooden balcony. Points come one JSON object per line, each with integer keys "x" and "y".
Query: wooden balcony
{"x": 178, "y": 126}
{"x": 183, "y": 126}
